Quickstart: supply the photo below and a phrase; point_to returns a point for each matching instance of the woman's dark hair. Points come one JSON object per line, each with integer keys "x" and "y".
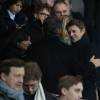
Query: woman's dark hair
{"x": 40, "y": 7}
{"x": 9, "y": 3}
{"x": 79, "y": 23}
{"x": 18, "y": 36}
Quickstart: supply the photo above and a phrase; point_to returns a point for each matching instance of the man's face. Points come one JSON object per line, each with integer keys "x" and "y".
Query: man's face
{"x": 15, "y": 78}
{"x": 31, "y": 86}
{"x": 62, "y": 10}
{"x": 75, "y": 33}
{"x": 16, "y": 8}
{"x": 74, "y": 92}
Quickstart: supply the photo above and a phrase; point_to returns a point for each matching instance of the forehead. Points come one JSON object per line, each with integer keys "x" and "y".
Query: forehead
{"x": 77, "y": 87}
{"x": 44, "y": 10}
{"x": 73, "y": 27}
{"x": 17, "y": 70}
{"x": 32, "y": 82}
{"x": 59, "y": 6}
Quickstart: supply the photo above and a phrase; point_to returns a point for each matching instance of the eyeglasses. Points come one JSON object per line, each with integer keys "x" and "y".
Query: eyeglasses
{"x": 44, "y": 14}
{"x": 61, "y": 12}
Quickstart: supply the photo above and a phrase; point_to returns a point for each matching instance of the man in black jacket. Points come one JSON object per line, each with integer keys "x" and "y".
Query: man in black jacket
{"x": 33, "y": 89}
{"x": 84, "y": 55}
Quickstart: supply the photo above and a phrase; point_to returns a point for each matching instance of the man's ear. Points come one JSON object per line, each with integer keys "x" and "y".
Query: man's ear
{"x": 71, "y": 6}
{"x": 83, "y": 31}
{"x": 3, "y": 76}
{"x": 64, "y": 91}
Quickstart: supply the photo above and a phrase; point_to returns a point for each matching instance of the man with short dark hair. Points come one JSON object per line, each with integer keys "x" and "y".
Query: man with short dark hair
{"x": 11, "y": 79}
{"x": 70, "y": 88}
{"x": 86, "y": 55}
{"x": 33, "y": 89}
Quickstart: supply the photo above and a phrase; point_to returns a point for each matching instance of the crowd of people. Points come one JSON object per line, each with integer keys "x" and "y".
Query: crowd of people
{"x": 46, "y": 52}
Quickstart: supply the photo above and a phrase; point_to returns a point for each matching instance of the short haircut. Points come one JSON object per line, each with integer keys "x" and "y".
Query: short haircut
{"x": 59, "y": 2}
{"x": 9, "y": 3}
{"x": 79, "y": 23}
{"x": 5, "y": 65}
{"x": 68, "y": 80}
{"x": 32, "y": 72}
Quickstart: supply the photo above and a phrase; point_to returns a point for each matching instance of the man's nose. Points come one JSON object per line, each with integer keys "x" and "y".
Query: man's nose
{"x": 30, "y": 88}
{"x": 71, "y": 34}
{"x": 80, "y": 95}
{"x": 62, "y": 14}
{"x": 21, "y": 79}
{"x": 29, "y": 42}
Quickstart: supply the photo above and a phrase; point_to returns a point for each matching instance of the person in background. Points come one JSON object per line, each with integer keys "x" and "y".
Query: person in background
{"x": 42, "y": 12}
{"x": 35, "y": 26}
{"x": 62, "y": 9}
{"x": 18, "y": 46}
{"x": 33, "y": 89}
{"x": 70, "y": 88}
{"x": 9, "y": 21}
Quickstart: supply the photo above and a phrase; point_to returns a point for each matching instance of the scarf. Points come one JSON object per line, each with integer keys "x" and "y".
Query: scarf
{"x": 40, "y": 95}
{"x": 11, "y": 93}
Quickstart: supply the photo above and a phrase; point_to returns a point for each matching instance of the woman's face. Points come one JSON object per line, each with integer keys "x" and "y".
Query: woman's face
{"x": 24, "y": 44}
{"x": 16, "y": 8}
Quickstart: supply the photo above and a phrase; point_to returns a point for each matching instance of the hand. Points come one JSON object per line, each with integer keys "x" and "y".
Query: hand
{"x": 95, "y": 61}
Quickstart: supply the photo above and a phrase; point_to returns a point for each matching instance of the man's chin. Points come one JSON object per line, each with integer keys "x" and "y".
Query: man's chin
{"x": 19, "y": 88}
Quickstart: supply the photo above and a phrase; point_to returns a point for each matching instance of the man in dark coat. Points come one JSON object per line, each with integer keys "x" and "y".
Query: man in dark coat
{"x": 33, "y": 89}
{"x": 56, "y": 55}
{"x": 18, "y": 46}
{"x": 10, "y": 21}
{"x": 83, "y": 51}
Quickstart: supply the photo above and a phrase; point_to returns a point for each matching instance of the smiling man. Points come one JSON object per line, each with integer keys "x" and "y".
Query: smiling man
{"x": 11, "y": 73}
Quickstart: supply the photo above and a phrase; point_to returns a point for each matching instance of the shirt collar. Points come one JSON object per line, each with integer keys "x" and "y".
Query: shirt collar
{"x": 12, "y": 16}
